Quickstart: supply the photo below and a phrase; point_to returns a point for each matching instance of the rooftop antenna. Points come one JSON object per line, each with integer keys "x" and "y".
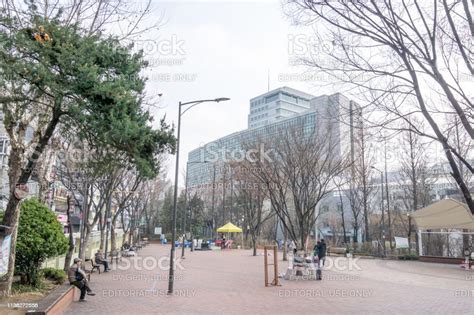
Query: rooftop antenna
{"x": 268, "y": 79}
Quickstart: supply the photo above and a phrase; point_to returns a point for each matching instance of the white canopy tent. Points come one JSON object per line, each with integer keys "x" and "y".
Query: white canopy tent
{"x": 443, "y": 214}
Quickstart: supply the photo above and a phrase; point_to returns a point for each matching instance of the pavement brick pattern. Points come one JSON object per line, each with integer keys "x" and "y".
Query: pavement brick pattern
{"x": 231, "y": 282}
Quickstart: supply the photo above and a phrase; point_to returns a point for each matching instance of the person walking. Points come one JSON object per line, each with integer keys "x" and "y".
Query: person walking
{"x": 77, "y": 277}
{"x": 320, "y": 251}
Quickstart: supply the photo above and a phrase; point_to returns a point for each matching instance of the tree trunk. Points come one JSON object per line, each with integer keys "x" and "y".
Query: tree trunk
{"x": 356, "y": 232}
{"x": 254, "y": 246}
{"x": 20, "y": 174}
{"x": 103, "y": 227}
{"x": 113, "y": 238}
{"x": 11, "y": 218}
{"x": 87, "y": 235}
{"x": 67, "y": 261}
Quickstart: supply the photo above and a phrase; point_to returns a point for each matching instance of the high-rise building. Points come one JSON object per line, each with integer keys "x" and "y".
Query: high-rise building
{"x": 281, "y": 108}
{"x": 276, "y": 105}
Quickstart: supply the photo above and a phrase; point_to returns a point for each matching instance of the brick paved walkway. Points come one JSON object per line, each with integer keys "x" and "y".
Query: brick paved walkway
{"x": 231, "y": 282}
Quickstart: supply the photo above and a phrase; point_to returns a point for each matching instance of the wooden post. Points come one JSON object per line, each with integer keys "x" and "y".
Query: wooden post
{"x": 265, "y": 262}
{"x": 275, "y": 264}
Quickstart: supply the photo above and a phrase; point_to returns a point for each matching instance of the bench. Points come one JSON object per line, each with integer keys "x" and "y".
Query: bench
{"x": 336, "y": 250}
{"x": 115, "y": 254}
{"x": 94, "y": 266}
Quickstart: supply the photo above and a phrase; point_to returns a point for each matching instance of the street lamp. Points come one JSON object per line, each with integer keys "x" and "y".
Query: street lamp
{"x": 175, "y": 198}
{"x": 383, "y": 219}
{"x": 409, "y": 233}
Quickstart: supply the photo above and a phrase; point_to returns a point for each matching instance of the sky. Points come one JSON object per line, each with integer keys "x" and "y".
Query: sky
{"x": 210, "y": 49}
{"x": 206, "y": 49}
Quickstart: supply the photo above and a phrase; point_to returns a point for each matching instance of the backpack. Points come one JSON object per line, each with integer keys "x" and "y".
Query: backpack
{"x": 79, "y": 275}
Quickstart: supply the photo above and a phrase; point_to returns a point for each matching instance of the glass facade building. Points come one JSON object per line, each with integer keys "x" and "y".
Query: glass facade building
{"x": 281, "y": 109}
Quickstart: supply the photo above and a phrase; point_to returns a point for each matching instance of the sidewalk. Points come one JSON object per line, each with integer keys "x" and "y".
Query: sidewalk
{"x": 231, "y": 282}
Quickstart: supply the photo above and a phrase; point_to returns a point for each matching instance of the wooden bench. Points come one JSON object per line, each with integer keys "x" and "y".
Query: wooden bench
{"x": 115, "y": 254}
{"x": 336, "y": 250}
{"x": 94, "y": 266}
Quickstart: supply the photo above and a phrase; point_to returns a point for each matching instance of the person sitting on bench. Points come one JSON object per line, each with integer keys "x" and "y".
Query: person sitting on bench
{"x": 77, "y": 277}
{"x": 99, "y": 259}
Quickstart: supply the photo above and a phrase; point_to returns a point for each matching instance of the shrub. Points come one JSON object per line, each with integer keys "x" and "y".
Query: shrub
{"x": 40, "y": 236}
{"x": 56, "y": 275}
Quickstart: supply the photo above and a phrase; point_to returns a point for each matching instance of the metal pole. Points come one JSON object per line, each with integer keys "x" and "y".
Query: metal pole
{"x": 388, "y": 200}
{"x": 213, "y": 195}
{"x": 175, "y": 201}
{"x": 383, "y": 217}
{"x": 107, "y": 222}
{"x": 83, "y": 223}
{"x": 231, "y": 194}
{"x": 409, "y": 233}
{"x": 185, "y": 209}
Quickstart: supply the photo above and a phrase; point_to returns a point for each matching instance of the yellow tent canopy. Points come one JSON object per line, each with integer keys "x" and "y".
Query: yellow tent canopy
{"x": 229, "y": 228}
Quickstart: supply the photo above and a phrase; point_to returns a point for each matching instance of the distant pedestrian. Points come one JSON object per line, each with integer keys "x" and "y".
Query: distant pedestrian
{"x": 99, "y": 259}
{"x": 320, "y": 251}
{"x": 77, "y": 277}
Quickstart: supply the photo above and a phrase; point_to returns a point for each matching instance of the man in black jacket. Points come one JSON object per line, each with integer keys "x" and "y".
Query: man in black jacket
{"x": 320, "y": 251}
{"x": 77, "y": 277}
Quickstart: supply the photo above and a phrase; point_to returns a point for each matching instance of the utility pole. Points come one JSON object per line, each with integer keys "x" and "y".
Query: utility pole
{"x": 185, "y": 212}
{"x": 231, "y": 194}
{"x": 223, "y": 197}
{"x": 108, "y": 221}
{"x": 382, "y": 208}
{"x": 213, "y": 195}
{"x": 84, "y": 217}
{"x": 388, "y": 199}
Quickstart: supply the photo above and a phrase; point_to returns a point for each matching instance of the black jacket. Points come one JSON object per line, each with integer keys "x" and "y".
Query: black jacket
{"x": 320, "y": 249}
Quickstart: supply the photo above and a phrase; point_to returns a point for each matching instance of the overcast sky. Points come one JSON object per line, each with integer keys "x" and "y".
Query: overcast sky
{"x": 209, "y": 49}
{"x": 217, "y": 49}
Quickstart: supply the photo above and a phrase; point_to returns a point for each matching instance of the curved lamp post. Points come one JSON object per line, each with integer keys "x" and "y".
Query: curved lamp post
{"x": 191, "y": 104}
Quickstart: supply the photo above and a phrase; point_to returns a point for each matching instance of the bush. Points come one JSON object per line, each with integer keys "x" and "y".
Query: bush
{"x": 40, "y": 236}
{"x": 56, "y": 275}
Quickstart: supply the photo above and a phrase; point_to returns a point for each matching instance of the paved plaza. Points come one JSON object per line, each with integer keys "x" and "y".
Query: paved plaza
{"x": 231, "y": 282}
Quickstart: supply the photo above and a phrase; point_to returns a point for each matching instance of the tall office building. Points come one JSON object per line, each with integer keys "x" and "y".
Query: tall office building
{"x": 276, "y": 105}
{"x": 281, "y": 109}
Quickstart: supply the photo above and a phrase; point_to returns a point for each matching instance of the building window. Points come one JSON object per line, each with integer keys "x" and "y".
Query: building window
{"x": 271, "y": 98}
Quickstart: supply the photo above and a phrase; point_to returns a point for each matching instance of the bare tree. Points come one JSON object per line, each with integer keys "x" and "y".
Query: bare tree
{"x": 297, "y": 173}
{"x": 251, "y": 195}
{"x": 414, "y": 177}
{"x": 408, "y": 59}
{"x": 128, "y": 20}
